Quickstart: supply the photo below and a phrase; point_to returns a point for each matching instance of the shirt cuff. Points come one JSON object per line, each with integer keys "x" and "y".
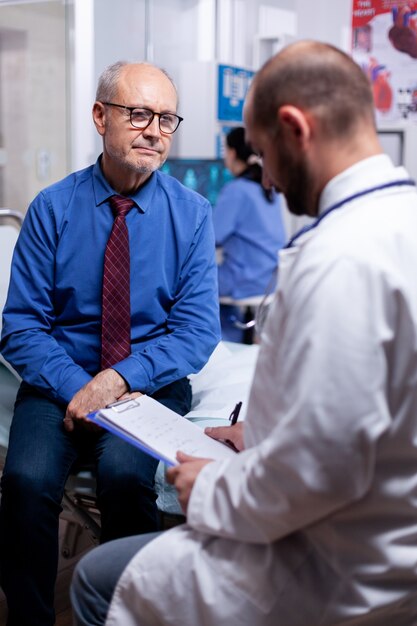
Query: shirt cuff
{"x": 69, "y": 388}
{"x": 134, "y": 374}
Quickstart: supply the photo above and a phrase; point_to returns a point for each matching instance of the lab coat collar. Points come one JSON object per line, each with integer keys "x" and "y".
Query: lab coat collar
{"x": 370, "y": 172}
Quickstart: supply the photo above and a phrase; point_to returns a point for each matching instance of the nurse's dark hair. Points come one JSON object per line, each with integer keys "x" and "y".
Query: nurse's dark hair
{"x": 235, "y": 139}
{"x": 107, "y": 82}
{"x": 318, "y": 77}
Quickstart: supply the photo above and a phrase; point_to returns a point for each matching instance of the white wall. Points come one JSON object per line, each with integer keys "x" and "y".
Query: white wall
{"x": 316, "y": 19}
{"x": 325, "y": 20}
{"x": 119, "y": 32}
{"x": 173, "y": 32}
{"x": 159, "y": 31}
{"x": 176, "y": 29}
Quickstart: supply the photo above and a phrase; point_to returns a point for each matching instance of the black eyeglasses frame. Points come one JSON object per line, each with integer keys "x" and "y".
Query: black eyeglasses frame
{"x": 131, "y": 109}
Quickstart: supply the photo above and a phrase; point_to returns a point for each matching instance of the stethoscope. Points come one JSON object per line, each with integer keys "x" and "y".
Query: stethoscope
{"x": 261, "y": 312}
{"x": 407, "y": 182}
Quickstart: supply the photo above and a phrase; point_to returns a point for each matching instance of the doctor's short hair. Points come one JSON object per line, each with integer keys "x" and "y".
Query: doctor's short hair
{"x": 317, "y": 77}
{"x": 109, "y": 78}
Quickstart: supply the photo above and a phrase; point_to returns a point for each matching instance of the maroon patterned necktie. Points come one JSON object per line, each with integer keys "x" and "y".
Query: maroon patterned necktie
{"x": 115, "y": 321}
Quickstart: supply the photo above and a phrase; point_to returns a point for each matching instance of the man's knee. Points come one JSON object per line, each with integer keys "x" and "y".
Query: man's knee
{"x": 84, "y": 596}
{"x": 29, "y": 490}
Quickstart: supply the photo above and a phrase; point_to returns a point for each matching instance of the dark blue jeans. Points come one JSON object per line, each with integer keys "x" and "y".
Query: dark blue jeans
{"x": 39, "y": 459}
{"x": 96, "y": 576}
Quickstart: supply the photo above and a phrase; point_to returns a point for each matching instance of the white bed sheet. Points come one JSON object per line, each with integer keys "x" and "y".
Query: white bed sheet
{"x": 225, "y": 380}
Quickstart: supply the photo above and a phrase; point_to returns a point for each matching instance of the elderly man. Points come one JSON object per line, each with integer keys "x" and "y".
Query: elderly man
{"x": 113, "y": 290}
{"x": 314, "y": 522}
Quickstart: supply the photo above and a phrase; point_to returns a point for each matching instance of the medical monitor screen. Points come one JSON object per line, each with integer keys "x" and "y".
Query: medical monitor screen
{"x": 207, "y": 176}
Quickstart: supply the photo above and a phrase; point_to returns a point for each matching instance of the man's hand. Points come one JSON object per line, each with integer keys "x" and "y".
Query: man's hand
{"x": 107, "y": 387}
{"x": 230, "y": 434}
{"x": 183, "y": 476}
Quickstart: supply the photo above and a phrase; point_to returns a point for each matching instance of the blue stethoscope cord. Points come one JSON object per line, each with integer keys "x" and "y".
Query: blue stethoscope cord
{"x": 396, "y": 183}
{"x": 260, "y": 309}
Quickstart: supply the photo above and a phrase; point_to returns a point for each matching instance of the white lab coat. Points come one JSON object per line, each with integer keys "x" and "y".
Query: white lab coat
{"x": 315, "y": 524}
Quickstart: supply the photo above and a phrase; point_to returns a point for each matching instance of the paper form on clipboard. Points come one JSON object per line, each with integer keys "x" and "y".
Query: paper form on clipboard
{"x": 159, "y": 431}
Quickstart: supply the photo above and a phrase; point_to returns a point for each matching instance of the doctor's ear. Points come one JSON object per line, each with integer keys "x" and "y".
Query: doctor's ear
{"x": 295, "y": 123}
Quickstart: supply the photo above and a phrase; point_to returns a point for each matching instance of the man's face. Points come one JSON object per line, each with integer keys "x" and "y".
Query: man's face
{"x": 140, "y": 150}
{"x": 284, "y": 167}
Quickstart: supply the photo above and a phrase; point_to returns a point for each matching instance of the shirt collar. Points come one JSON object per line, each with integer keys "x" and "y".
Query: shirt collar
{"x": 370, "y": 172}
{"x": 103, "y": 191}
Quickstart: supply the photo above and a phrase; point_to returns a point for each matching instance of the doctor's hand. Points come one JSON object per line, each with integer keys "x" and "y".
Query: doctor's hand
{"x": 183, "y": 476}
{"x": 231, "y": 434}
{"x": 107, "y": 387}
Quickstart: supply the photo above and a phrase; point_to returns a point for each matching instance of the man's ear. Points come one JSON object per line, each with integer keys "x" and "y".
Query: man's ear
{"x": 99, "y": 117}
{"x": 295, "y": 123}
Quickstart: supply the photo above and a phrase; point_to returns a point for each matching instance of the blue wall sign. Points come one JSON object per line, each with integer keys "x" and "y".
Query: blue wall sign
{"x": 233, "y": 84}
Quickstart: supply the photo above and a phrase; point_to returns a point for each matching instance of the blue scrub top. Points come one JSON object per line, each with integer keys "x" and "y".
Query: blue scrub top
{"x": 250, "y": 231}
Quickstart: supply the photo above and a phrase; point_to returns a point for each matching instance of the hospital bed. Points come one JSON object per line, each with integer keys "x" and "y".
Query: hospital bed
{"x": 224, "y": 381}
{"x": 10, "y": 223}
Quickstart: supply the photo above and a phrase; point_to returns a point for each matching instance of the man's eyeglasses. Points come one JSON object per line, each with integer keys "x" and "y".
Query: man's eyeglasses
{"x": 142, "y": 118}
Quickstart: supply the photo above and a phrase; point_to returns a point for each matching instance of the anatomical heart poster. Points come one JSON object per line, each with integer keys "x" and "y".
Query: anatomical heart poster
{"x": 384, "y": 44}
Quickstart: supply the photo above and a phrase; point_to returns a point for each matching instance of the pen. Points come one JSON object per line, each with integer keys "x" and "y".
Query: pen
{"x": 235, "y": 413}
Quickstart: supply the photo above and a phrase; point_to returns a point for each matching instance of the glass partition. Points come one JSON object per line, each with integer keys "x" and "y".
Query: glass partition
{"x": 33, "y": 99}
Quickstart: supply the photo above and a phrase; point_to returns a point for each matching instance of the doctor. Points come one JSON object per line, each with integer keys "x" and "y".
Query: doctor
{"x": 314, "y": 522}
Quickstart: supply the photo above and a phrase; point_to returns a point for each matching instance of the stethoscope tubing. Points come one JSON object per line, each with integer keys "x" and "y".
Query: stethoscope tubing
{"x": 408, "y": 182}
{"x": 260, "y": 313}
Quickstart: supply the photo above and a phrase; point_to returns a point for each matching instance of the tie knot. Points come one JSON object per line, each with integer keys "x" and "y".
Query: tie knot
{"x": 120, "y": 205}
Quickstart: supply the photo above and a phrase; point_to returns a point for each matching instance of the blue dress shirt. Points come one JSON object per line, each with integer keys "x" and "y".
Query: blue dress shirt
{"x": 250, "y": 231}
{"x": 52, "y": 318}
